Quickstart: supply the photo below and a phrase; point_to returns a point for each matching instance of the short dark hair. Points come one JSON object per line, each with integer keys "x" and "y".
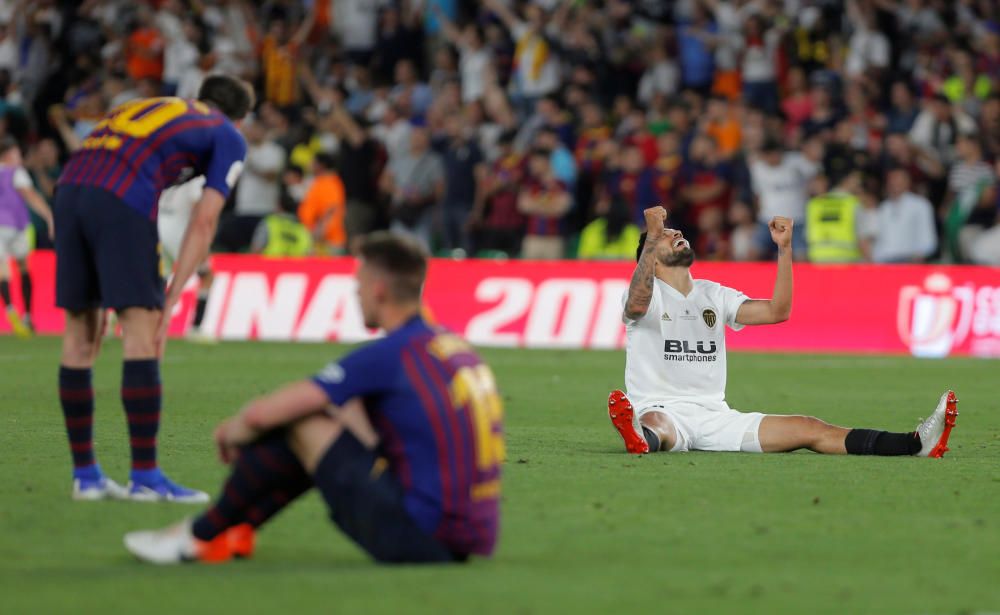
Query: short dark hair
{"x": 233, "y": 97}
{"x": 642, "y": 244}
{"x": 326, "y": 160}
{"x": 402, "y": 258}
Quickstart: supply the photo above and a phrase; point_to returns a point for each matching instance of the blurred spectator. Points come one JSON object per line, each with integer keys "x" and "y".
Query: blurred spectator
{"x": 545, "y": 200}
{"x": 695, "y": 41}
{"x": 282, "y": 235}
{"x": 632, "y": 183}
{"x": 612, "y": 236}
{"x": 704, "y": 189}
{"x": 257, "y": 191}
{"x": 323, "y": 209}
{"x": 496, "y": 223}
{"x": 937, "y": 128}
{"x": 868, "y": 49}
{"x": 780, "y": 185}
{"x": 903, "y": 108}
{"x": 144, "y": 47}
{"x": 474, "y": 56}
{"x": 463, "y": 169}
{"x": 905, "y": 223}
{"x": 662, "y": 77}
{"x": 362, "y": 160}
{"x": 835, "y": 221}
{"x": 399, "y": 37}
{"x": 409, "y": 92}
{"x": 279, "y": 54}
{"x": 760, "y": 46}
{"x": 414, "y": 182}
{"x": 536, "y": 69}
{"x": 969, "y": 186}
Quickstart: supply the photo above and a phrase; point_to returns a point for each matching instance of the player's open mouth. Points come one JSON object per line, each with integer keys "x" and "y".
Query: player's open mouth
{"x": 681, "y": 242}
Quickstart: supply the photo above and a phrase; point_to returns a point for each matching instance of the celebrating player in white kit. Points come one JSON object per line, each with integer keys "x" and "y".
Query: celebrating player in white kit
{"x": 675, "y": 364}
{"x": 175, "y": 208}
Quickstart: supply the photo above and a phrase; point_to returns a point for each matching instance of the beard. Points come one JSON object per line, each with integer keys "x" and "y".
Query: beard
{"x": 684, "y": 258}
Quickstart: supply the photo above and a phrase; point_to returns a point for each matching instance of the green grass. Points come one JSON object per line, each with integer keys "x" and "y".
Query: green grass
{"x": 585, "y": 527}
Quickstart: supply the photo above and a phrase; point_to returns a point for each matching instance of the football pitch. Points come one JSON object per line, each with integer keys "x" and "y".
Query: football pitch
{"x": 585, "y": 527}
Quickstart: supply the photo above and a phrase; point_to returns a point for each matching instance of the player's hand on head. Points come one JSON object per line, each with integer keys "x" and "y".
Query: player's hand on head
{"x": 656, "y": 218}
{"x": 781, "y": 231}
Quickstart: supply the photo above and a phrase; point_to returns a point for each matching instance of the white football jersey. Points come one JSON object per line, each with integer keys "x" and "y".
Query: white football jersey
{"x": 677, "y": 350}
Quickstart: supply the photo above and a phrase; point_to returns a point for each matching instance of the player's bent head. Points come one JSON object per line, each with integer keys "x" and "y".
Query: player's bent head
{"x": 233, "y": 97}
{"x": 401, "y": 260}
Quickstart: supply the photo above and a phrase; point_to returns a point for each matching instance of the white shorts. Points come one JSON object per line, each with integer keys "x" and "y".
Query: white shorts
{"x": 710, "y": 426}
{"x": 171, "y": 227}
{"x": 15, "y": 243}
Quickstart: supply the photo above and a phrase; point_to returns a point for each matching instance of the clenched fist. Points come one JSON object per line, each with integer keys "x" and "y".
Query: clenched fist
{"x": 656, "y": 218}
{"x": 781, "y": 231}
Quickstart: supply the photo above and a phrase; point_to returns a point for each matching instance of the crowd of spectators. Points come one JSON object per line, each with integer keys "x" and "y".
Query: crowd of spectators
{"x": 542, "y": 128}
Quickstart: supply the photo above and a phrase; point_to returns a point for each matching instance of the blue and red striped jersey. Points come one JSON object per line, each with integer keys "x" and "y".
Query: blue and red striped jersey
{"x": 146, "y": 145}
{"x": 436, "y": 408}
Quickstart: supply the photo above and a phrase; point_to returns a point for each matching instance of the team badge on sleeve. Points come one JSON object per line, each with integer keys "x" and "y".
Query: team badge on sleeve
{"x": 708, "y": 315}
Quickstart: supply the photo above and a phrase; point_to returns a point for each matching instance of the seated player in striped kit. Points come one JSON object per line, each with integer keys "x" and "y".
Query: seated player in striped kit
{"x": 107, "y": 256}
{"x": 402, "y": 438}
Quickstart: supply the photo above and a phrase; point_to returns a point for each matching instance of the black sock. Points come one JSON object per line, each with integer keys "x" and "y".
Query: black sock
{"x": 5, "y": 292}
{"x": 141, "y": 396}
{"x": 26, "y": 293}
{"x": 76, "y": 394}
{"x": 874, "y": 442}
{"x": 652, "y": 439}
{"x": 266, "y": 476}
{"x": 199, "y": 309}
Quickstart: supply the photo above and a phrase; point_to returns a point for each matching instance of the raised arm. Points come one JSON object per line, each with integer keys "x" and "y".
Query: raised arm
{"x": 779, "y": 307}
{"x": 640, "y": 289}
{"x": 507, "y": 16}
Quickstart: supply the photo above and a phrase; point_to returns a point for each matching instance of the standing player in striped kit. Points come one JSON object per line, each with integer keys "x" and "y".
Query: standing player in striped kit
{"x": 402, "y": 438}
{"x": 107, "y": 256}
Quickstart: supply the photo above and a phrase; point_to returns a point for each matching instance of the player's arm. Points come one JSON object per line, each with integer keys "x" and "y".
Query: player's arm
{"x": 283, "y": 407}
{"x": 640, "y": 289}
{"x": 779, "y": 307}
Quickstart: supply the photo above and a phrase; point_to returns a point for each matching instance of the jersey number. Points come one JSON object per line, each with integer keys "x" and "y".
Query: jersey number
{"x": 138, "y": 119}
{"x": 476, "y": 389}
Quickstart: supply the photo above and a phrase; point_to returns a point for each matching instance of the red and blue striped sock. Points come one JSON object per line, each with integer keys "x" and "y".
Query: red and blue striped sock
{"x": 141, "y": 396}
{"x": 76, "y": 395}
{"x": 266, "y": 477}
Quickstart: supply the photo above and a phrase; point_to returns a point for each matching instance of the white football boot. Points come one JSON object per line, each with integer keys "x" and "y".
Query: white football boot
{"x": 934, "y": 431}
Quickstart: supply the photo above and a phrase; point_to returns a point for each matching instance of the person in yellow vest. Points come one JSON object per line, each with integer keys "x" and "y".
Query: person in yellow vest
{"x": 610, "y": 237}
{"x": 281, "y": 234}
{"x": 836, "y": 222}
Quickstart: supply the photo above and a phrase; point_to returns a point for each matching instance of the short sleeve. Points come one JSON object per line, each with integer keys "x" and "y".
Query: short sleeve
{"x": 363, "y": 372}
{"x": 21, "y": 179}
{"x": 228, "y": 151}
{"x": 653, "y": 308}
{"x": 732, "y": 299}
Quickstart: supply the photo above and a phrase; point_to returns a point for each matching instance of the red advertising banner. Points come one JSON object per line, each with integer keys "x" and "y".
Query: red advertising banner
{"x": 924, "y": 310}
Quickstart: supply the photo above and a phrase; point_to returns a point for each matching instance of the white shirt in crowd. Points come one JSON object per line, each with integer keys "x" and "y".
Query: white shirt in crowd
{"x": 356, "y": 22}
{"x": 866, "y": 49}
{"x": 905, "y": 229}
{"x": 782, "y": 190}
{"x": 759, "y": 60}
{"x": 937, "y": 138}
{"x": 258, "y": 195}
{"x": 395, "y": 137}
{"x": 473, "y": 65}
{"x": 660, "y": 78}
{"x": 677, "y": 350}
{"x": 547, "y": 79}
{"x": 179, "y": 54}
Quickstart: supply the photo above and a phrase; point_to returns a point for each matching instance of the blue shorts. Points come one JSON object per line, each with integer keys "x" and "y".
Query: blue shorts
{"x": 107, "y": 254}
{"x": 365, "y": 500}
